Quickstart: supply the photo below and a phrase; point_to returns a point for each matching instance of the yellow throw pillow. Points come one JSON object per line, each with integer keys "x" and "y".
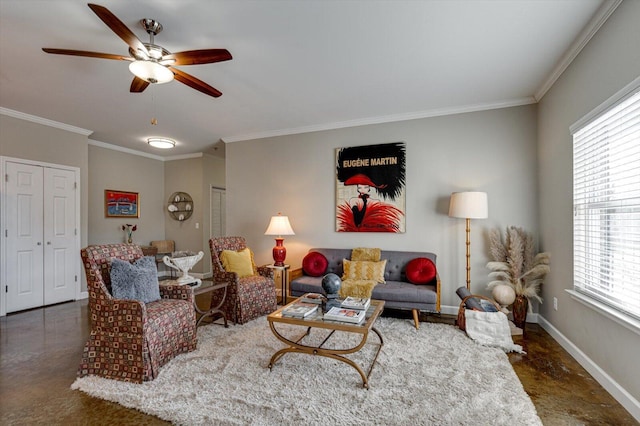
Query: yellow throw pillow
{"x": 367, "y": 254}
{"x": 363, "y": 270}
{"x": 237, "y": 261}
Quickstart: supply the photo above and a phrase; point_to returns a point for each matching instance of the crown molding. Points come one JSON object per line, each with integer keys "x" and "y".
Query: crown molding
{"x": 184, "y": 156}
{"x": 44, "y": 121}
{"x": 383, "y": 119}
{"x": 113, "y": 147}
{"x": 600, "y": 17}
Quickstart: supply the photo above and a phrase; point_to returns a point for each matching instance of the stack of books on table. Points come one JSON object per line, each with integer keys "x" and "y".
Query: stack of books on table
{"x": 312, "y": 298}
{"x": 345, "y": 315}
{"x": 360, "y": 303}
{"x": 299, "y": 310}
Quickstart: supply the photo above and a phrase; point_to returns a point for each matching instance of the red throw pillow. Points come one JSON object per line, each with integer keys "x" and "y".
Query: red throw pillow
{"x": 314, "y": 264}
{"x": 421, "y": 270}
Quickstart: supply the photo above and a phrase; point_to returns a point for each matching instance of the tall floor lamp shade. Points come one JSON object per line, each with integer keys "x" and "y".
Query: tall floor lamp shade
{"x": 469, "y": 205}
{"x": 279, "y": 226}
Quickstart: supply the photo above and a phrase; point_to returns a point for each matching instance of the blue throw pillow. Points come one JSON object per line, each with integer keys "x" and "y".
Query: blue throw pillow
{"x": 137, "y": 281}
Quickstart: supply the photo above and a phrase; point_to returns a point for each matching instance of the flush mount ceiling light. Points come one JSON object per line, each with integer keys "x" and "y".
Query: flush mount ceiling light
{"x": 162, "y": 143}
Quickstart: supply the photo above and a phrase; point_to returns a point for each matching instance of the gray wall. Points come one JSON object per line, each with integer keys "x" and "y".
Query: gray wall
{"x": 102, "y": 168}
{"x": 609, "y": 62}
{"x": 37, "y": 142}
{"x": 194, "y": 176}
{"x": 492, "y": 151}
{"x": 125, "y": 172}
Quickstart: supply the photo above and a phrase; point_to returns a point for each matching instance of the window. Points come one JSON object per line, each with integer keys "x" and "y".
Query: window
{"x": 606, "y": 203}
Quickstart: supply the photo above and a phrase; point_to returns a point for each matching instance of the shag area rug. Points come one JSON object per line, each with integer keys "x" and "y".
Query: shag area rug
{"x": 432, "y": 376}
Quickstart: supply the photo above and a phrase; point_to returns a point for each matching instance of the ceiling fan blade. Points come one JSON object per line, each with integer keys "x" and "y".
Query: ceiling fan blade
{"x": 195, "y": 83}
{"x": 138, "y": 85}
{"x": 86, "y": 53}
{"x": 202, "y": 56}
{"x": 118, "y": 27}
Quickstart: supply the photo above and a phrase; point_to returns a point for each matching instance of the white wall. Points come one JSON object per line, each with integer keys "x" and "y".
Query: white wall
{"x": 609, "y": 62}
{"x": 492, "y": 151}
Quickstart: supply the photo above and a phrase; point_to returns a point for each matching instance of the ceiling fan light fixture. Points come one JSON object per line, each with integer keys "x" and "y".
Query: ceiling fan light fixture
{"x": 162, "y": 143}
{"x": 151, "y": 72}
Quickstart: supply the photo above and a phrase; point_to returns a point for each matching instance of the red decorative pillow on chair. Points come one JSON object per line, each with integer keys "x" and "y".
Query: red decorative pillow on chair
{"x": 420, "y": 270}
{"x": 314, "y": 264}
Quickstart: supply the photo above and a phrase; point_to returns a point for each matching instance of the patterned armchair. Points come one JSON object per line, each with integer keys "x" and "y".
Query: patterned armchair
{"x": 131, "y": 340}
{"x": 248, "y": 297}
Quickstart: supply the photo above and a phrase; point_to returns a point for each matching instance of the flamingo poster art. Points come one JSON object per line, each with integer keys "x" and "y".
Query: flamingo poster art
{"x": 370, "y": 188}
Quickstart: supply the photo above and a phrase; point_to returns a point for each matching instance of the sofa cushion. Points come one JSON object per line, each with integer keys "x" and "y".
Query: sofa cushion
{"x": 315, "y": 264}
{"x": 367, "y": 254}
{"x": 238, "y": 262}
{"x": 137, "y": 281}
{"x": 420, "y": 270}
{"x": 363, "y": 270}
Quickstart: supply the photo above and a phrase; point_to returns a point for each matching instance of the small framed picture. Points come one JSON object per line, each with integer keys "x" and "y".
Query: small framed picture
{"x": 121, "y": 203}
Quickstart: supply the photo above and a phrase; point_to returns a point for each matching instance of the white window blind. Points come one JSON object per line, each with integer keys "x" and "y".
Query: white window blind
{"x": 606, "y": 206}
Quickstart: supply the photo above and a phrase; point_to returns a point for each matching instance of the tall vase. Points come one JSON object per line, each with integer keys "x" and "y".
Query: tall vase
{"x": 520, "y": 307}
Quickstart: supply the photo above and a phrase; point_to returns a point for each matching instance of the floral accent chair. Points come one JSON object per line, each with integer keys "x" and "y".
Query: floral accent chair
{"x": 131, "y": 340}
{"x": 248, "y": 297}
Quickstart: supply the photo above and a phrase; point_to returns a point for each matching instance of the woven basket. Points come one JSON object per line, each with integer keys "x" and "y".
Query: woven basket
{"x": 461, "y": 319}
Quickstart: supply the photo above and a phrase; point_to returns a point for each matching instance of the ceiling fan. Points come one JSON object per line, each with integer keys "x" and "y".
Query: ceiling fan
{"x": 151, "y": 63}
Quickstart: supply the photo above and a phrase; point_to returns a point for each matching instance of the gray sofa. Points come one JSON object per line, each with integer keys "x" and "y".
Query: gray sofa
{"x": 397, "y": 293}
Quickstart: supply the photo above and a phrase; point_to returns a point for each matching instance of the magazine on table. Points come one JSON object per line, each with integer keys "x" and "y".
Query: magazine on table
{"x": 345, "y": 315}
{"x": 312, "y": 298}
{"x": 360, "y": 303}
{"x": 299, "y": 310}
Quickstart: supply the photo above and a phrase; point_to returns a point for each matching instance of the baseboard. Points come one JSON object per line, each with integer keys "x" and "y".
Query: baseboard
{"x": 631, "y": 404}
{"x": 453, "y": 310}
{"x": 83, "y": 295}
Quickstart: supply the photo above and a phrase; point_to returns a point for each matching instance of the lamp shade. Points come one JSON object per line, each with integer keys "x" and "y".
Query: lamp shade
{"x": 151, "y": 72}
{"x": 469, "y": 205}
{"x": 279, "y": 225}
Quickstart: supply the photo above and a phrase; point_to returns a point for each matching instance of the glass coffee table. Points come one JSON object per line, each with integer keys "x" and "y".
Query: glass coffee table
{"x": 316, "y": 320}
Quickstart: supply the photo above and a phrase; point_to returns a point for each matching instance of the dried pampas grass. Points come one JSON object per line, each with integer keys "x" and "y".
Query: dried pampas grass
{"x": 515, "y": 262}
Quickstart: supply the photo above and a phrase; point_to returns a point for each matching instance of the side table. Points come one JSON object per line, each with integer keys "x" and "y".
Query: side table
{"x": 203, "y": 287}
{"x": 284, "y": 281}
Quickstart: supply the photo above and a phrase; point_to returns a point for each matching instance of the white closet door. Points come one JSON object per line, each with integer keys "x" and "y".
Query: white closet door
{"x": 59, "y": 235}
{"x": 24, "y": 241}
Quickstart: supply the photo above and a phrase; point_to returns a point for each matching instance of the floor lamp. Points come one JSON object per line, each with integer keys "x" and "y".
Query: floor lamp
{"x": 469, "y": 205}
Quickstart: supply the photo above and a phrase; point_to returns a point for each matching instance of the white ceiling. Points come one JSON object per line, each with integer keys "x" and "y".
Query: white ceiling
{"x": 298, "y": 65}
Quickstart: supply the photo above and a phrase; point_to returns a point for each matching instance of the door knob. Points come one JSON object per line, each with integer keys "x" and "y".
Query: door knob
{"x": 39, "y": 243}
{"x": 48, "y": 243}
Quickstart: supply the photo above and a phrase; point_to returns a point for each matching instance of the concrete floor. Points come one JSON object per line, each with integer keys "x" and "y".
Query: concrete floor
{"x": 40, "y": 351}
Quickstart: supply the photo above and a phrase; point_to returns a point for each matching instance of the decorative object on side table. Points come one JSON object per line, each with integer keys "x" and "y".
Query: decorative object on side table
{"x": 515, "y": 264}
{"x": 469, "y": 205}
{"x": 183, "y": 264}
{"x": 279, "y": 225}
{"x": 331, "y": 285}
{"x": 130, "y": 230}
